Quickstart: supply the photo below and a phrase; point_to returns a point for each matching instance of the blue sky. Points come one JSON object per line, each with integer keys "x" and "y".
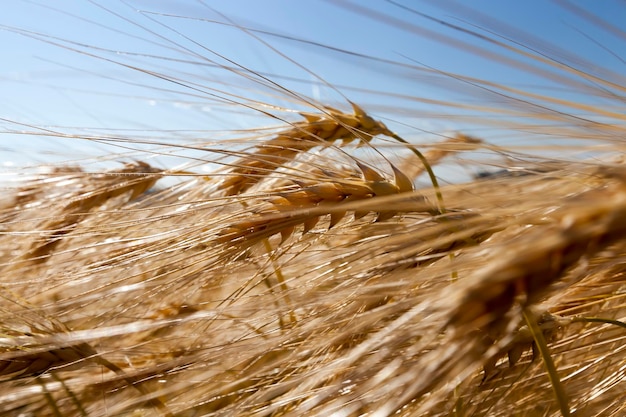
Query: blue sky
{"x": 73, "y": 69}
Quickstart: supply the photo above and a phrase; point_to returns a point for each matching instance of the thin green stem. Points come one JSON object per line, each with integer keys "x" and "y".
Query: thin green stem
{"x": 71, "y": 394}
{"x": 540, "y": 341}
{"x": 599, "y": 320}
{"x": 53, "y": 405}
{"x": 429, "y": 170}
{"x": 433, "y": 180}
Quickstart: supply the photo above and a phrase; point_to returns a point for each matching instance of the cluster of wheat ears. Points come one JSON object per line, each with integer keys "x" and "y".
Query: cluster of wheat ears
{"x": 323, "y": 268}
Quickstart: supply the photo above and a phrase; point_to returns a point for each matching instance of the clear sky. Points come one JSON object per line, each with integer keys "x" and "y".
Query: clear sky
{"x": 71, "y": 66}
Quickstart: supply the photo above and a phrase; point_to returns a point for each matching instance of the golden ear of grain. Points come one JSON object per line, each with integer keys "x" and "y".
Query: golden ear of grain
{"x": 134, "y": 180}
{"x": 524, "y": 270}
{"x": 31, "y": 360}
{"x": 317, "y": 130}
{"x": 31, "y": 353}
{"x": 306, "y": 204}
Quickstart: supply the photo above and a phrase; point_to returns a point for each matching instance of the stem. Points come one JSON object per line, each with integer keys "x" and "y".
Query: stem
{"x": 71, "y": 394}
{"x": 599, "y": 320}
{"x": 53, "y": 405}
{"x": 429, "y": 170}
{"x": 540, "y": 341}
{"x": 435, "y": 183}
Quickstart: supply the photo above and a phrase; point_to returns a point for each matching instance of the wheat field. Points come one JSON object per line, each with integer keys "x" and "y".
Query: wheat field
{"x": 321, "y": 255}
